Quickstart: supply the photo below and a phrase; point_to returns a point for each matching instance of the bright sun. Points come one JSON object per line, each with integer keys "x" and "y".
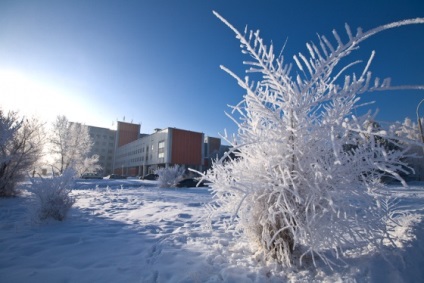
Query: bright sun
{"x": 30, "y": 97}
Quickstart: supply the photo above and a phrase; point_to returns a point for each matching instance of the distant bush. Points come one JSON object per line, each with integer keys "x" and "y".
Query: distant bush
{"x": 53, "y": 196}
{"x": 170, "y": 176}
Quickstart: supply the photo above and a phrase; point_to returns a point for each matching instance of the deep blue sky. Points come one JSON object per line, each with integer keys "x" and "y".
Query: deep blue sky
{"x": 156, "y": 62}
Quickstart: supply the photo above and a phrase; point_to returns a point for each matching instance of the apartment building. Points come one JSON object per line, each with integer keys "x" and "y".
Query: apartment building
{"x": 126, "y": 133}
{"x": 163, "y": 148}
{"x": 104, "y": 146}
{"x": 125, "y": 151}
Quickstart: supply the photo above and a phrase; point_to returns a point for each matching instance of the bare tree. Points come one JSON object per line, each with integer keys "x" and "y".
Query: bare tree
{"x": 21, "y": 147}
{"x": 71, "y": 146}
{"x": 58, "y": 137}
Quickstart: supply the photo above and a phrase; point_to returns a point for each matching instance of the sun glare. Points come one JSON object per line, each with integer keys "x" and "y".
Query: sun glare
{"x": 30, "y": 97}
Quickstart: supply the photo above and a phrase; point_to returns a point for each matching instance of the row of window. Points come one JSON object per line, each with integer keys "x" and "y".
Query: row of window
{"x": 98, "y": 136}
{"x": 161, "y": 157}
{"x": 140, "y": 159}
{"x": 161, "y": 147}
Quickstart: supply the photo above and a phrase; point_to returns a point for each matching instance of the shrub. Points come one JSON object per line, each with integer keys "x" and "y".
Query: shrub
{"x": 53, "y": 199}
{"x": 170, "y": 176}
{"x": 306, "y": 174}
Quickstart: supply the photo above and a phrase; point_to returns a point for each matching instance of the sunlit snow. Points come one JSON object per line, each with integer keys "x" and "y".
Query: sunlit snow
{"x": 134, "y": 231}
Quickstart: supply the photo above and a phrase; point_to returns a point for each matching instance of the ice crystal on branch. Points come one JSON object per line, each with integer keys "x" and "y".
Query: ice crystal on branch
{"x": 307, "y": 172}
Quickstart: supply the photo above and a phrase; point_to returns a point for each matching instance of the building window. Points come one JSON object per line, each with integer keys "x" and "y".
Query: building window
{"x": 161, "y": 151}
{"x": 161, "y": 144}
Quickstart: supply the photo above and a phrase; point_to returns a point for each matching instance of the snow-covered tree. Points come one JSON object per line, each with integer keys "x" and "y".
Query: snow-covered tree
{"x": 90, "y": 164}
{"x": 21, "y": 145}
{"x": 71, "y": 146}
{"x": 169, "y": 177}
{"x": 306, "y": 177}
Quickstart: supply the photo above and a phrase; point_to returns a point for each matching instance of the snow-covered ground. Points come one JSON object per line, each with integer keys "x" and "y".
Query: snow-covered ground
{"x": 133, "y": 231}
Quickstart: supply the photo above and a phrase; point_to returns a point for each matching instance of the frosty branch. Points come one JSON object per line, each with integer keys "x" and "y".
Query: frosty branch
{"x": 304, "y": 163}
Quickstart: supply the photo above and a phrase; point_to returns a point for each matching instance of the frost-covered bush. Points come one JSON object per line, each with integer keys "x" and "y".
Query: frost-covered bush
{"x": 170, "y": 176}
{"x": 53, "y": 199}
{"x": 409, "y": 136}
{"x": 306, "y": 174}
{"x": 408, "y": 129}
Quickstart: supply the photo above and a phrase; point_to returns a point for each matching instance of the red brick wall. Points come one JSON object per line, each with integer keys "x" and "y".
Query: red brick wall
{"x": 127, "y": 133}
{"x": 129, "y": 171}
{"x": 186, "y": 147}
{"x": 132, "y": 171}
